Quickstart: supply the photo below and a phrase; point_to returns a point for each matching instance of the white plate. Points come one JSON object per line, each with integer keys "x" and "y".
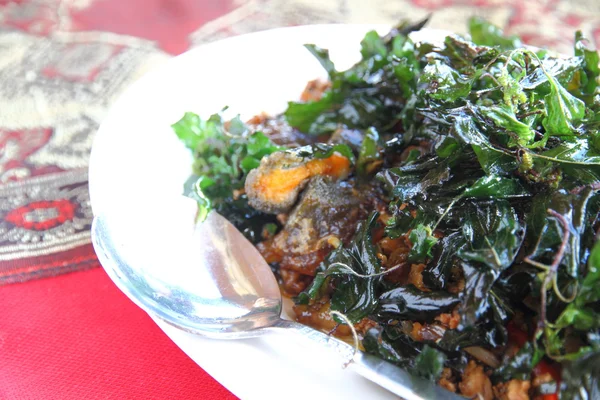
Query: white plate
{"x": 138, "y": 167}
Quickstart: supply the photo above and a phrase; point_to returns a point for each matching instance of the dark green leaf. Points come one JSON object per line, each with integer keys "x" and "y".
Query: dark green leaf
{"x": 406, "y": 183}
{"x": 590, "y": 288}
{"x": 493, "y": 234}
{"x": 323, "y": 56}
{"x": 591, "y": 64}
{"x": 517, "y": 367}
{"x": 437, "y": 272}
{"x": 457, "y": 339}
{"x": 486, "y": 34}
{"x": 441, "y": 82}
{"x": 400, "y": 351}
{"x": 369, "y": 151}
{"x": 491, "y": 186}
{"x": 549, "y": 230}
{"x": 422, "y": 241}
{"x": 505, "y": 118}
{"x": 409, "y": 302}
{"x": 581, "y": 378}
{"x": 492, "y": 159}
{"x": 354, "y": 295}
{"x": 429, "y": 364}
{"x": 373, "y": 45}
{"x": 475, "y": 301}
{"x": 563, "y": 69}
{"x": 563, "y": 110}
{"x": 305, "y": 115}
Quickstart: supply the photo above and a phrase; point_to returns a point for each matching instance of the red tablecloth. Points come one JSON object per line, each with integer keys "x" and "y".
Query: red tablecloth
{"x": 76, "y": 336}
{"x": 62, "y": 64}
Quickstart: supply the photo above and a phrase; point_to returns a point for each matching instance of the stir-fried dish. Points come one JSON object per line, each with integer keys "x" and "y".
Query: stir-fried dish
{"x": 442, "y": 198}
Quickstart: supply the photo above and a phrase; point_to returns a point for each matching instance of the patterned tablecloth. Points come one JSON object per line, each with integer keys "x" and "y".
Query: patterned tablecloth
{"x": 64, "y": 62}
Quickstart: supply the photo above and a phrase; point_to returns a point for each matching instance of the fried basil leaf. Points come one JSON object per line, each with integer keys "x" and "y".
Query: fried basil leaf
{"x": 355, "y": 295}
{"x": 422, "y": 241}
{"x": 493, "y": 233}
{"x": 486, "y": 34}
{"x": 410, "y": 303}
{"x": 429, "y": 364}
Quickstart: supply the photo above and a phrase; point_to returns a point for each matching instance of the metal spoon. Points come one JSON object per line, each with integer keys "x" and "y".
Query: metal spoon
{"x": 235, "y": 296}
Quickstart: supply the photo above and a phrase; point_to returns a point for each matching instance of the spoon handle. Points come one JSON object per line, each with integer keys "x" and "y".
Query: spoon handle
{"x": 384, "y": 374}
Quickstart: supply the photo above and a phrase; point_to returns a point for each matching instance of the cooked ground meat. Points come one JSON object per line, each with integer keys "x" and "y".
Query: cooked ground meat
{"x": 447, "y": 380}
{"x": 475, "y": 382}
{"x": 512, "y": 390}
{"x": 293, "y": 282}
{"x": 396, "y": 255}
{"x": 314, "y": 90}
{"x": 364, "y": 325}
{"x": 450, "y": 321}
{"x": 426, "y": 332}
{"x": 317, "y": 315}
{"x": 415, "y": 277}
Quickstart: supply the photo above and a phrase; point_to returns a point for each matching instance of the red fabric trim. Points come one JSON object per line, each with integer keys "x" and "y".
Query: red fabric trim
{"x": 48, "y": 265}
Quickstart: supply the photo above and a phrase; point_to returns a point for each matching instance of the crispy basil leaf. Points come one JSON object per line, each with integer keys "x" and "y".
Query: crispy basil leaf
{"x": 491, "y": 186}
{"x": 591, "y": 64}
{"x": 369, "y": 151}
{"x": 409, "y": 302}
{"x": 517, "y": 367}
{"x": 400, "y": 351}
{"x": 492, "y": 159}
{"x": 549, "y": 230}
{"x": 590, "y": 287}
{"x": 437, "y": 272}
{"x": 504, "y": 117}
{"x": 581, "y": 378}
{"x": 305, "y": 116}
{"x": 563, "y": 111}
{"x": 493, "y": 234}
{"x": 322, "y": 55}
{"x": 422, "y": 241}
{"x": 475, "y": 299}
{"x": 440, "y": 82}
{"x": 429, "y": 364}
{"x": 373, "y": 45}
{"x": 408, "y": 182}
{"x": 484, "y": 33}
{"x": 354, "y": 296}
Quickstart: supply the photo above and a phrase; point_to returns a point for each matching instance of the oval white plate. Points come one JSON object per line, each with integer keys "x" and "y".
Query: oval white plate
{"x": 138, "y": 164}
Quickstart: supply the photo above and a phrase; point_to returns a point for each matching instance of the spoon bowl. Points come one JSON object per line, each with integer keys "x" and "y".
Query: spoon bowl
{"x": 235, "y": 296}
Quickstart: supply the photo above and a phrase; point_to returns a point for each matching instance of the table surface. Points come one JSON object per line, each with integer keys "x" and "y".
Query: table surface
{"x": 66, "y": 332}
